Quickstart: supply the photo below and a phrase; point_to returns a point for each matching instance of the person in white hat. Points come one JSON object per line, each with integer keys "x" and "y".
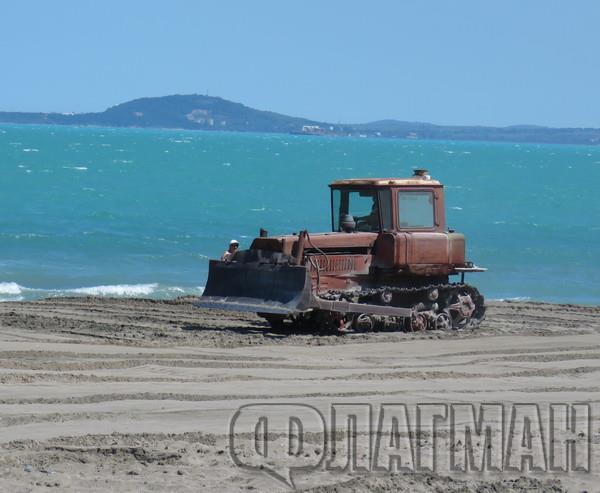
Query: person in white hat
{"x": 228, "y": 254}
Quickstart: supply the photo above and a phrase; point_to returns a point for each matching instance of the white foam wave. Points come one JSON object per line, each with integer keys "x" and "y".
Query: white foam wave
{"x": 77, "y": 168}
{"x": 117, "y": 290}
{"x": 153, "y": 290}
{"x": 10, "y": 288}
{"x": 514, "y": 298}
{"x": 11, "y": 291}
{"x": 19, "y": 236}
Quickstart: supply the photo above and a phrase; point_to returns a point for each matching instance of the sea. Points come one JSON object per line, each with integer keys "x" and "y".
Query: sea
{"x": 139, "y": 212}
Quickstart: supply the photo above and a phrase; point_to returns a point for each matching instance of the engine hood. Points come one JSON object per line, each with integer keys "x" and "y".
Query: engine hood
{"x": 324, "y": 241}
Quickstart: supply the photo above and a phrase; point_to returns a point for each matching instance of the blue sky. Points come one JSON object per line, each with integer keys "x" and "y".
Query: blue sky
{"x": 449, "y": 62}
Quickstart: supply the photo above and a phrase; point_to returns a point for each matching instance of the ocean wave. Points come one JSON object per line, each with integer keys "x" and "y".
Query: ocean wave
{"x": 12, "y": 291}
{"x": 10, "y": 288}
{"x": 514, "y": 298}
{"x": 20, "y": 236}
{"x": 125, "y": 290}
{"x": 76, "y": 168}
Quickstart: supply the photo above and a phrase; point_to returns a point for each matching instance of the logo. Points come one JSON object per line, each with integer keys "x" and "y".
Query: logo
{"x": 287, "y": 439}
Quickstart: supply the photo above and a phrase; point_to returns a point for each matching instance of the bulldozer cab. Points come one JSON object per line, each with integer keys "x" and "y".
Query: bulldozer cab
{"x": 379, "y": 205}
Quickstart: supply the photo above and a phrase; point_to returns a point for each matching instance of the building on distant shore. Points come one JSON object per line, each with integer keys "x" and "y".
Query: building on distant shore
{"x": 313, "y": 130}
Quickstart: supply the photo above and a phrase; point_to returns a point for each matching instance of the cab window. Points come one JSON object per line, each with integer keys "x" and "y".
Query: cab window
{"x": 362, "y": 205}
{"x": 415, "y": 209}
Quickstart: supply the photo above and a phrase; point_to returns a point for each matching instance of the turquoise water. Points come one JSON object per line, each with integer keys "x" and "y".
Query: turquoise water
{"x": 139, "y": 212}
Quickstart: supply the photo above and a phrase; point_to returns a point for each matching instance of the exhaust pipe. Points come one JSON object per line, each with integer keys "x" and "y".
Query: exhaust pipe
{"x": 300, "y": 249}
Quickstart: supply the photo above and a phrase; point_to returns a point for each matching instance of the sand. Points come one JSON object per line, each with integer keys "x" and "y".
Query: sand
{"x": 129, "y": 395}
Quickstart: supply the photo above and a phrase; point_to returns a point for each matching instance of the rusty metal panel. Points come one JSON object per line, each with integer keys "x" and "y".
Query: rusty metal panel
{"x": 288, "y": 243}
{"x": 401, "y": 249}
{"x": 337, "y": 271}
{"x": 427, "y": 248}
{"x": 385, "y": 251}
{"x": 429, "y": 269}
{"x": 336, "y": 264}
{"x": 457, "y": 248}
{"x": 342, "y": 240}
{"x": 379, "y": 182}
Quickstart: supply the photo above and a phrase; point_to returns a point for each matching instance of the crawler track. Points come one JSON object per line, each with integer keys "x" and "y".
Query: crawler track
{"x": 436, "y": 306}
{"x": 442, "y": 306}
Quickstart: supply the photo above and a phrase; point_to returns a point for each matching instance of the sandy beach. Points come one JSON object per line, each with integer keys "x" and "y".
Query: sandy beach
{"x": 127, "y": 394}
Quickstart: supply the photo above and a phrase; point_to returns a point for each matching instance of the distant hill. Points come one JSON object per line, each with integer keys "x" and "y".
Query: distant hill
{"x": 197, "y": 112}
{"x": 193, "y": 112}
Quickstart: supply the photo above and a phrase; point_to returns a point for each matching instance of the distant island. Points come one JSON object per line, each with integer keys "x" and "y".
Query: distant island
{"x": 198, "y": 112}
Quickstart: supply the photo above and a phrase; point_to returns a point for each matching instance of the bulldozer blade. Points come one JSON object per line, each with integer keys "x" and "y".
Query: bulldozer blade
{"x": 254, "y": 287}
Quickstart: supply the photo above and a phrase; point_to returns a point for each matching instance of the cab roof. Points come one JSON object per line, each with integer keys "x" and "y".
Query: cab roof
{"x": 414, "y": 182}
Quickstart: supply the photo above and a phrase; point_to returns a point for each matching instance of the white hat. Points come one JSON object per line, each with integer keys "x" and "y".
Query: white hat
{"x": 234, "y": 242}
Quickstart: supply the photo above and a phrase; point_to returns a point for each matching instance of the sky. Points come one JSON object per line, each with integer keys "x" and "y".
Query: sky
{"x": 465, "y": 62}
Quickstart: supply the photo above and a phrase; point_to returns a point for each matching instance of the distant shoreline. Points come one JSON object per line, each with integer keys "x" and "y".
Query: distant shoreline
{"x": 248, "y": 132}
{"x": 197, "y": 112}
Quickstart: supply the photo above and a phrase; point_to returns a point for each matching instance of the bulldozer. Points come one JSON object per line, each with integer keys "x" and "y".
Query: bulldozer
{"x": 385, "y": 265}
